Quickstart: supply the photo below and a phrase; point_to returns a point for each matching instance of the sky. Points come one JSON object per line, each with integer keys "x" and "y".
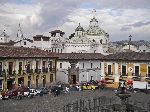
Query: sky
{"x": 119, "y": 18}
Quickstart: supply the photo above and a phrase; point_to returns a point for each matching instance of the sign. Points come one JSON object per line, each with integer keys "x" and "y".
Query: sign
{"x": 130, "y": 69}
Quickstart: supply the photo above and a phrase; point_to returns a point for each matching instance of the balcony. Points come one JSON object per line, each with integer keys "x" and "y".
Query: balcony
{"x": 44, "y": 70}
{"x": 29, "y": 71}
{"x": 38, "y": 71}
{"x": 108, "y": 74}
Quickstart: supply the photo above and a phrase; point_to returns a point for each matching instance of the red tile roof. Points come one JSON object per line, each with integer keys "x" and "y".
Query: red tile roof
{"x": 80, "y": 56}
{"x": 131, "y": 56}
{"x": 22, "y": 52}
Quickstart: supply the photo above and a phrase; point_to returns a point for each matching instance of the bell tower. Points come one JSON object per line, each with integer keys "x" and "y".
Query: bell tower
{"x": 3, "y": 37}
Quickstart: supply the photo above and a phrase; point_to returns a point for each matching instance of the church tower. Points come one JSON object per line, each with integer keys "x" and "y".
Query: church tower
{"x": 79, "y": 31}
{"x": 3, "y": 37}
{"x": 20, "y": 33}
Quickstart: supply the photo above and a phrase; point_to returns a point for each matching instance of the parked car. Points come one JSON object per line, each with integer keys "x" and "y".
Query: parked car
{"x": 43, "y": 90}
{"x": 12, "y": 94}
{"x": 89, "y": 86}
{"x": 33, "y": 91}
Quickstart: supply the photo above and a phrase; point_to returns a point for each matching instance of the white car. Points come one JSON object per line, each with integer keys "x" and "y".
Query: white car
{"x": 33, "y": 92}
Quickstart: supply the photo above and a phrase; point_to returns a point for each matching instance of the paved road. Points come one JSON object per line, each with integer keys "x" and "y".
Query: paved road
{"x": 49, "y": 103}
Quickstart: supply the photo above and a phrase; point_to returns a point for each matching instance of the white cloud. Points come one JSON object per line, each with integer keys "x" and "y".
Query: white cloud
{"x": 43, "y": 16}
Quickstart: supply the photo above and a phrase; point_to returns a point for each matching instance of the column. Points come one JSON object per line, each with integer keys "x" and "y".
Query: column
{"x": 87, "y": 75}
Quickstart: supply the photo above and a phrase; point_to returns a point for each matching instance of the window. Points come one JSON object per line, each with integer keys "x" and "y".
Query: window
{"x": 58, "y": 50}
{"x": 51, "y": 77}
{"x": 20, "y": 68}
{"x": 148, "y": 71}
{"x": 100, "y": 65}
{"x": 37, "y": 64}
{"x": 55, "y": 49}
{"x": 44, "y": 64}
{"x": 83, "y": 65}
{"x": 60, "y": 65}
{"x": 124, "y": 70}
{"x": 10, "y": 69}
{"x": 109, "y": 69}
{"x": 61, "y": 50}
{"x": 91, "y": 65}
{"x": 0, "y": 68}
{"x": 24, "y": 43}
{"x": 52, "y": 49}
{"x": 136, "y": 70}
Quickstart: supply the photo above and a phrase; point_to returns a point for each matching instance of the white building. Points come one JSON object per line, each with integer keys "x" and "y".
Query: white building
{"x": 92, "y": 40}
{"x": 4, "y": 37}
{"x": 79, "y": 67}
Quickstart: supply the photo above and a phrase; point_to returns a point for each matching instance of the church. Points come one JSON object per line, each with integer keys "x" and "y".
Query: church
{"x": 90, "y": 40}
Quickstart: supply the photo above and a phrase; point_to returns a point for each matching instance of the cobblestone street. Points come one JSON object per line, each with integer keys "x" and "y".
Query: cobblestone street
{"x": 49, "y": 103}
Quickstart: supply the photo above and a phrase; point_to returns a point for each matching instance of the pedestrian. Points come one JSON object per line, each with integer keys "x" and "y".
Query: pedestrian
{"x": 67, "y": 90}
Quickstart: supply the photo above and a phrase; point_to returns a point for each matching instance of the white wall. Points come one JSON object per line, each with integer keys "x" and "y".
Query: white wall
{"x": 21, "y": 43}
{"x": 84, "y": 73}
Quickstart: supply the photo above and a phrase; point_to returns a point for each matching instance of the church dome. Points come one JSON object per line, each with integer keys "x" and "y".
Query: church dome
{"x": 79, "y": 28}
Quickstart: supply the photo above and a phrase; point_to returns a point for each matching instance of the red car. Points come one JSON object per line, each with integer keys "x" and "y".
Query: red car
{"x": 14, "y": 94}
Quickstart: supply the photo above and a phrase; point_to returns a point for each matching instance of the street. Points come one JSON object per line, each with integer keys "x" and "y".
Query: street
{"x": 49, "y": 103}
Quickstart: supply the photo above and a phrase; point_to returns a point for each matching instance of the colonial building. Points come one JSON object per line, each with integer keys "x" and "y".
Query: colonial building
{"x": 126, "y": 65}
{"x": 79, "y": 67}
{"x": 31, "y": 67}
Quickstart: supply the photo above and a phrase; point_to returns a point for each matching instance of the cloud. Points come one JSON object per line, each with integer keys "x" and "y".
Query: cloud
{"x": 39, "y": 17}
{"x": 134, "y": 25}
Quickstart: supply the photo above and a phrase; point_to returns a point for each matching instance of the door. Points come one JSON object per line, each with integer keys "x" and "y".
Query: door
{"x": 21, "y": 81}
{"x": 73, "y": 79}
{"x": 9, "y": 84}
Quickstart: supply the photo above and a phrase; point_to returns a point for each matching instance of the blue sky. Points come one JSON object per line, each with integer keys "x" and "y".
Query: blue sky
{"x": 119, "y": 18}
{"x": 24, "y": 1}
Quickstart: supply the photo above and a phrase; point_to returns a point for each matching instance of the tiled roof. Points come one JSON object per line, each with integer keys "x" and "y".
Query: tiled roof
{"x": 22, "y": 52}
{"x": 80, "y": 56}
{"x": 131, "y": 56}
